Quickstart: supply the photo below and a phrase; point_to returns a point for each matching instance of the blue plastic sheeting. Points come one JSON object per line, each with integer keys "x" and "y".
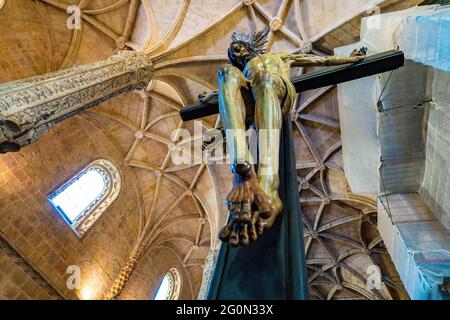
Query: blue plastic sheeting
{"x": 426, "y": 38}
{"x": 428, "y": 246}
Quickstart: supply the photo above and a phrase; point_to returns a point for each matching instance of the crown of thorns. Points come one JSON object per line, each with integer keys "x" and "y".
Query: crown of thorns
{"x": 255, "y": 41}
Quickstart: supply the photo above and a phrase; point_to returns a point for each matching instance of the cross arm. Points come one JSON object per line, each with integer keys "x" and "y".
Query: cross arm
{"x": 374, "y": 64}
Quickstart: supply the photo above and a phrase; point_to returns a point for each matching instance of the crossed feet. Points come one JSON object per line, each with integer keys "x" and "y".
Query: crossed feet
{"x": 252, "y": 210}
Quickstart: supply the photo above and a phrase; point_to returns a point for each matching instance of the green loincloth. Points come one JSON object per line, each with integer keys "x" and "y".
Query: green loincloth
{"x": 291, "y": 94}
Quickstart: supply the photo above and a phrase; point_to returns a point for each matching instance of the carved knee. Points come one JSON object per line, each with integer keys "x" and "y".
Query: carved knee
{"x": 227, "y": 73}
{"x": 263, "y": 80}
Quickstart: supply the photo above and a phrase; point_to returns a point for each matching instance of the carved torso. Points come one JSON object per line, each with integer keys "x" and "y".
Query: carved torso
{"x": 270, "y": 62}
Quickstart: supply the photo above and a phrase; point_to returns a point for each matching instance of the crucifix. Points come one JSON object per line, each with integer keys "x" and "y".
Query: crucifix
{"x": 256, "y": 89}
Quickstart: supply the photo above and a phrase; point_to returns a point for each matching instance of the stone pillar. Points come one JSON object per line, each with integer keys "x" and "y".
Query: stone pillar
{"x": 208, "y": 270}
{"x": 31, "y": 106}
{"x": 124, "y": 276}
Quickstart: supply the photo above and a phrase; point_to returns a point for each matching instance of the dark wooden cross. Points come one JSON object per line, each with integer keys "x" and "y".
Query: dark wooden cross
{"x": 274, "y": 266}
{"x": 374, "y": 64}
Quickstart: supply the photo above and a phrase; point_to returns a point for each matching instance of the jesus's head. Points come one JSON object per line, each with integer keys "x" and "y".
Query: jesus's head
{"x": 245, "y": 47}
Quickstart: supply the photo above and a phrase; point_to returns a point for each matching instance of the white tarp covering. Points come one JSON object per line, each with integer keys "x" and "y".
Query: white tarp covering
{"x": 382, "y": 129}
{"x": 358, "y": 119}
{"x": 436, "y": 183}
{"x": 421, "y": 32}
{"x": 398, "y": 139}
{"x": 420, "y": 252}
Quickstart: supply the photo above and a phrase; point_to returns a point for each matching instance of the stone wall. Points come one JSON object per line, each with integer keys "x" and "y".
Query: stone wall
{"x": 149, "y": 273}
{"x": 17, "y": 281}
{"x": 28, "y": 220}
{"x": 21, "y": 19}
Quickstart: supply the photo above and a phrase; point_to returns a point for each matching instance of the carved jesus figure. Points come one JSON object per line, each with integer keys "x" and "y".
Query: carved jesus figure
{"x": 255, "y": 89}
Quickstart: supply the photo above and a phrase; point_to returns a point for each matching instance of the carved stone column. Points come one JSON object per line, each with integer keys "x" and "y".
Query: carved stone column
{"x": 31, "y": 106}
{"x": 208, "y": 270}
{"x": 124, "y": 276}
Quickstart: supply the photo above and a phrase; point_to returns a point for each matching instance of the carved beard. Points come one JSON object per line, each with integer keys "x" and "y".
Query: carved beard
{"x": 239, "y": 60}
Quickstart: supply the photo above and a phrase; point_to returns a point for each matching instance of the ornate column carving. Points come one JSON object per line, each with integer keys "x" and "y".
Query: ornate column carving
{"x": 31, "y": 106}
{"x": 124, "y": 276}
{"x": 208, "y": 270}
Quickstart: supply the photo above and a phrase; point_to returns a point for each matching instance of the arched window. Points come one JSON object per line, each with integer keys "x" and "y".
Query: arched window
{"x": 170, "y": 286}
{"x": 82, "y": 199}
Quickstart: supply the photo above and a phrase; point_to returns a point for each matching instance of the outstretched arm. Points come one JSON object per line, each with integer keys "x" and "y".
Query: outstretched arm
{"x": 310, "y": 60}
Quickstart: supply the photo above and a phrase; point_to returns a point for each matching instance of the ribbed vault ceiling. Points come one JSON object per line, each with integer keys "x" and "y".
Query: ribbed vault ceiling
{"x": 188, "y": 41}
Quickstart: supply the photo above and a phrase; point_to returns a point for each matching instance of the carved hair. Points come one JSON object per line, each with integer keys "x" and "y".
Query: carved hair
{"x": 255, "y": 42}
